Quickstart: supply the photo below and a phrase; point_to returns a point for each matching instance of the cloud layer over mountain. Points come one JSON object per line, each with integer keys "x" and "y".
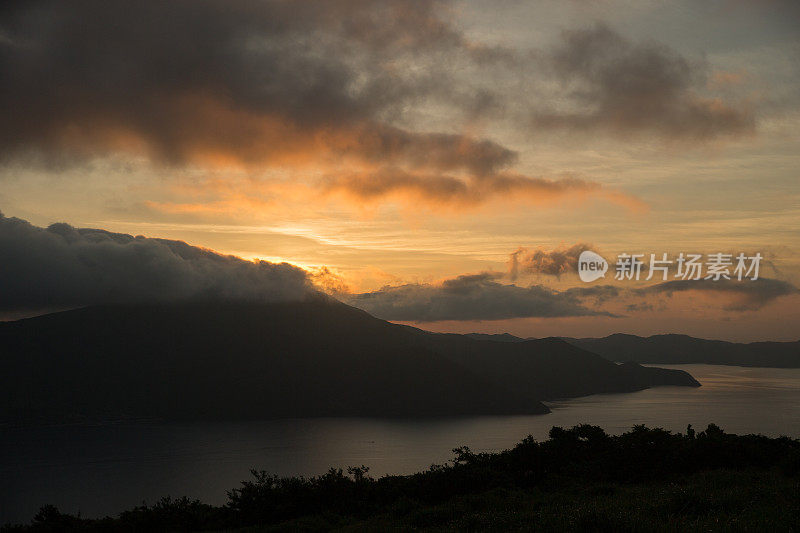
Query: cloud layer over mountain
{"x": 469, "y": 297}
{"x": 63, "y": 267}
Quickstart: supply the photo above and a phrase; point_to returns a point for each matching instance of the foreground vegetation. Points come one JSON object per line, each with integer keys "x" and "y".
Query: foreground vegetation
{"x": 580, "y": 479}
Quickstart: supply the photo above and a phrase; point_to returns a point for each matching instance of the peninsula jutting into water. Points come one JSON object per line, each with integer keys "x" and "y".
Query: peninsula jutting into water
{"x": 225, "y": 361}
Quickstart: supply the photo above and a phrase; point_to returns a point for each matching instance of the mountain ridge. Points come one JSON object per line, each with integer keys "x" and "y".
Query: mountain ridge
{"x": 318, "y": 357}
{"x": 677, "y": 348}
{"x": 673, "y": 348}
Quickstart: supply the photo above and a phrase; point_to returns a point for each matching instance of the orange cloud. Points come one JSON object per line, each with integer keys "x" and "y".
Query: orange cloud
{"x": 360, "y": 187}
{"x": 312, "y": 90}
{"x": 469, "y": 191}
{"x": 721, "y": 79}
{"x": 367, "y": 161}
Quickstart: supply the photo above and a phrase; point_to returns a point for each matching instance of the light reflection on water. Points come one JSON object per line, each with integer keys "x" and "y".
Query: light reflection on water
{"x": 104, "y": 469}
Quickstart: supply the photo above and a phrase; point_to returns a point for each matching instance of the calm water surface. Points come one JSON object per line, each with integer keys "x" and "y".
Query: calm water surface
{"x": 104, "y": 469}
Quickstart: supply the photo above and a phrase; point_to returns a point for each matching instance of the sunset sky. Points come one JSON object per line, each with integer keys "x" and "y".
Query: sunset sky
{"x": 435, "y": 163}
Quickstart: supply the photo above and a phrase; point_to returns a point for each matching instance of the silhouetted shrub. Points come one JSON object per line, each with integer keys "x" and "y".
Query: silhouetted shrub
{"x": 588, "y": 470}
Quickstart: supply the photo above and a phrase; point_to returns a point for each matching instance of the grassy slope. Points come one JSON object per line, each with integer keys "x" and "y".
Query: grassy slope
{"x": 709, "y": 501}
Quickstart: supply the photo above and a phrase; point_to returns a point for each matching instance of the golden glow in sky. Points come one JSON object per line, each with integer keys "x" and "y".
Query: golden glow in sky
{"x": 419, "y": 145}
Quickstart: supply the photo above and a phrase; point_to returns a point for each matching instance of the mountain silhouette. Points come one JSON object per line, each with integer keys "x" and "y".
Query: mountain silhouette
{"x": 264, "y": 360}
{"x": 551, "y": 367}
{"x": 683, "y": 349}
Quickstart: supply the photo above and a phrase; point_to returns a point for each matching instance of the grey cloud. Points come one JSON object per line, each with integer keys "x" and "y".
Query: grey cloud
{"x": 551, "y": 262}
{"x": 254, "y": 83}
{"x": 468, "y": 297}
{"x": 751, "y": 295}
{"x": 558, "y": 261}
{"x": 600, "y": 293}
{"x": 623, "y": 87}
{"x": 448, "y": 188}
{"x": 434, "y": 150}
{"x": 260, "y": 83}
{"x": 639, "y": 307}
{"x": 62, "y": 266}
{"x": 244, "y": 78}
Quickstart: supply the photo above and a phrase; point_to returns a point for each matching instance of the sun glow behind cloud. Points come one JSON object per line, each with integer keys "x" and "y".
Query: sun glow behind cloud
{"x": 413, "y": 143}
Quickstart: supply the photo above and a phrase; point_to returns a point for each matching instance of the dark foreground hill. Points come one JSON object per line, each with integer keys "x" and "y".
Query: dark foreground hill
{"x": 313, "y": 358}
{"x": 580, "y": 480}
{"x": 682, "y": 349}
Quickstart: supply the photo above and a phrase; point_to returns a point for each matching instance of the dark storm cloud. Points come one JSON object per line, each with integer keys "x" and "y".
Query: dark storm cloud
{"x": 62, "y": 266}
{"x": 247, "y": 79}
{"x": 261, "y": 84}
{"x": 468, "y": 297}
{"x": 748, "y": 294}
{"x": 622, "y": 87}
{"x": 252, "y": 84}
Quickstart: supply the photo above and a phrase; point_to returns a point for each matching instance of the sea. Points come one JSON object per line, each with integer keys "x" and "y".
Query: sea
{"x": 102, "y": 469}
